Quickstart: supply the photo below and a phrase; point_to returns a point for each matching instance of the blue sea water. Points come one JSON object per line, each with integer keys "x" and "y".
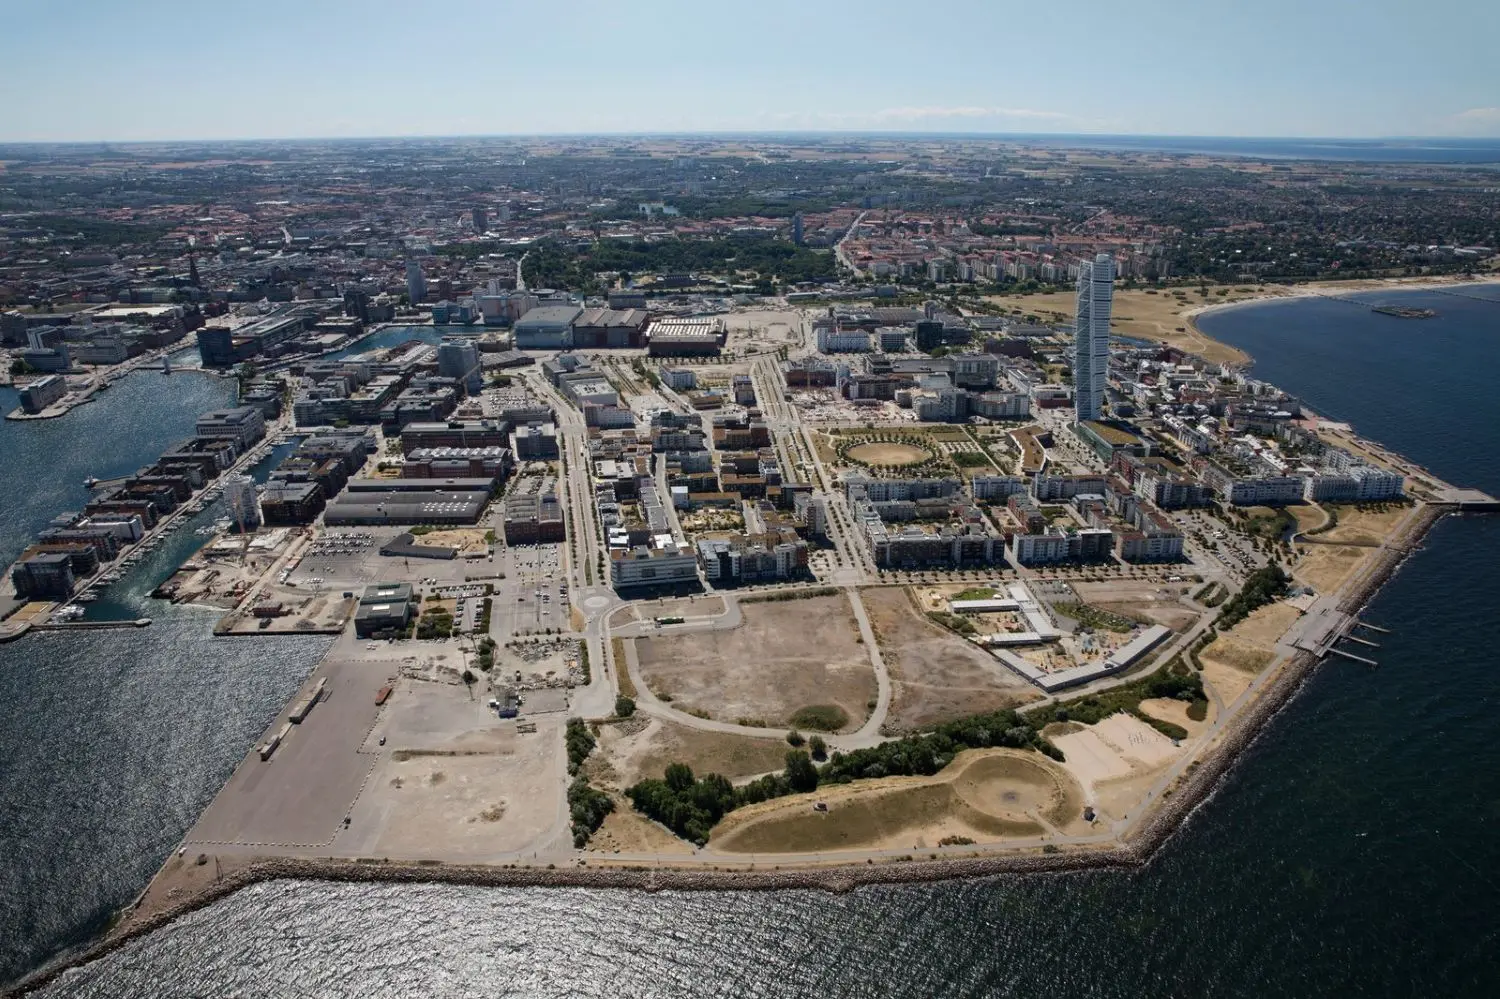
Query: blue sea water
{"x": 1353, "y": 851}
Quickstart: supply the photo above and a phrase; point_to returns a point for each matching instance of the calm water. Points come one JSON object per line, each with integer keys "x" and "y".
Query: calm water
{"x": 393, "y": 335}
{"x": 1353, "y": 851}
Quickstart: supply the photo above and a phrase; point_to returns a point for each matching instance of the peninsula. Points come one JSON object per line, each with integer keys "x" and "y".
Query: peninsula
{"x": 712, "y": 560}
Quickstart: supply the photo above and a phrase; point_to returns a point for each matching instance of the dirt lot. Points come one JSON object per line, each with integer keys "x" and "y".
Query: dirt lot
{"x": 677, "y": 607}
{"x": 786, "y": 655}
{"x": 638, "y": 748}
{"x": 482, "y": 795}
{"x": 936, "y": 676}
{"x": 1115, "y": 760}
{"x": 985, "y": 795}
{"x": 1139, "y": 599}
{"x": 465, "y": 542}
{"x": 888, "y": 454}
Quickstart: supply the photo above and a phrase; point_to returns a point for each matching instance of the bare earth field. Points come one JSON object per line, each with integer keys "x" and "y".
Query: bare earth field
{"x": 936, "y": 676}
{"x": 1115, "y": 760}
{"x": 1161, "y": 317}
{"x": 784, "y": 656}
{"x": 638, "y": 748}
{"x": 888, "y": 454}
{"x": 1139, "y": 599}
{"x": 985, "y": 795}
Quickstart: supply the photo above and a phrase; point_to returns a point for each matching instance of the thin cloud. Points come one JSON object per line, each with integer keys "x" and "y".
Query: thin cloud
{"x": 919, "y": 113}
{"x": 1475, "y": 121}
{"x": 889, "y": 117}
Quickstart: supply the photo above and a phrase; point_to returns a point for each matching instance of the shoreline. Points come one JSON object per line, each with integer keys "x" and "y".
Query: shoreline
{"x": 1138, "y": 848}
{"x": 1317, "y": 289}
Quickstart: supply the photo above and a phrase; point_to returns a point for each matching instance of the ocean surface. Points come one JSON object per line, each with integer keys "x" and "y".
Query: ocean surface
{"x": 112, "y": 742}
{"x": 1353, "y": 851}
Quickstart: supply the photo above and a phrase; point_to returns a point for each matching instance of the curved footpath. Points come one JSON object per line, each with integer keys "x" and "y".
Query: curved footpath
{"x": 1172, "y": 809}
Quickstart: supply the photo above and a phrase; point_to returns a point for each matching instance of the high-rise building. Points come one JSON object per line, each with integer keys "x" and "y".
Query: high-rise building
{"x": 481, "y": 220}
{"x": 460, "y": 359}
{"x": 416, "y": 282}
{"x": 1091, "y": 337}
{"x": 797, "y": 229}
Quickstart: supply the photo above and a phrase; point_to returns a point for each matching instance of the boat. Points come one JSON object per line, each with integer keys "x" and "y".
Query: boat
{"x": 90, "y": 482}
{"x": 1404, "y": 311}
{"x": 72, "y": 612}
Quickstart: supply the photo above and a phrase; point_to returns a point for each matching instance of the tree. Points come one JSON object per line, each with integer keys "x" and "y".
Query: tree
{"x": 624, "y": 707}
{"x": 819, "y": 747}
{"x": 801, "y": 775}
{"x": 794, "y": 738}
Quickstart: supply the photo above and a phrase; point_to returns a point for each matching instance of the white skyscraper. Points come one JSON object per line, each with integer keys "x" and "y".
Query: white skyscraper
{"x": 1096, "y": 282}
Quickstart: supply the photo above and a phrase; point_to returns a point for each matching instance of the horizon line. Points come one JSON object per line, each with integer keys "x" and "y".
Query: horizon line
{"x": 779, "y": 132}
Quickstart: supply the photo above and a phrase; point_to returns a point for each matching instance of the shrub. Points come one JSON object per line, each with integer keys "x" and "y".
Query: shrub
{"x": 588, "y": 808}
{"x": 822, "y": 717}
{"x": 580, "y": 743}
{"x": 794, "y": 738}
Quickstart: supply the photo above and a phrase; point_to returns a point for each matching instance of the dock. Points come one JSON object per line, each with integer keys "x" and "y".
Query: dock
{"x": 140, "y": 622}
{"x": 1323, "y": 630}
{"x": 1350, "y": 655}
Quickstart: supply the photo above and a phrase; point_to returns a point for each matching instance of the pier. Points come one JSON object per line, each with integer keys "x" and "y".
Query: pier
{"x": 139, "y": 622}
{"x": 1323, "y": 630}
{"x": 1350, "y": 655}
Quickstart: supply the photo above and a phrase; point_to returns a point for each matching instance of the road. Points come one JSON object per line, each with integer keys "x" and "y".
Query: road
{"x": 838, "y": 248}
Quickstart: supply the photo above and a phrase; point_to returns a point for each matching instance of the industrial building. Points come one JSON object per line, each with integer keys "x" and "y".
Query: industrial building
{"x": 385, "y": 609}
{"x": 547, "y": 327}
{"x": 533, "y": 514}
{"x": 383, "y": 502}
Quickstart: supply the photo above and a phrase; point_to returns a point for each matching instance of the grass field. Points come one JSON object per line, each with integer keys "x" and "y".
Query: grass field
{"x": 984, "y": 795}
{"x": 636, "y": 749}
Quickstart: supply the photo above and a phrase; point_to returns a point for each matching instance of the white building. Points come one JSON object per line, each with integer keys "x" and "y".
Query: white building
{"x": 646, "y": 566}
{"x": 832, "y": 341}
{"x": 244, "y": 504}
{"x": 1091, "y": 338}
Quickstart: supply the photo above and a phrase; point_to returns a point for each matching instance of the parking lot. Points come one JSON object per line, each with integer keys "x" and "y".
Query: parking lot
{"x": 533, "y": 597}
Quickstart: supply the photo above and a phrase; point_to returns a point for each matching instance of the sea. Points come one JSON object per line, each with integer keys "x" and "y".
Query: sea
{"x": 1353, "y": 850}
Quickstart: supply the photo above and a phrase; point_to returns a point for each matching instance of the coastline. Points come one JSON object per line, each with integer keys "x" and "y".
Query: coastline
{"x": 1139, "y": 845}
{"x": 1317, "y": 289}
{"x": 1165, "y": 818}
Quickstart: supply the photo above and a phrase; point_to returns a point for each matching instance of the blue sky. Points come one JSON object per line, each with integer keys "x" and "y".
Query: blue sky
{"x": 166, "y": 69}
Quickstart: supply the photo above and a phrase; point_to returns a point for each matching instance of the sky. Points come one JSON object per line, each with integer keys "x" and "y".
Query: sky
{"x": 119, "y": 70}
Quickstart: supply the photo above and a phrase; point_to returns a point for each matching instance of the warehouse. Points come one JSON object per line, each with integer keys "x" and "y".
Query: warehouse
{"x": 388, "y": 507}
